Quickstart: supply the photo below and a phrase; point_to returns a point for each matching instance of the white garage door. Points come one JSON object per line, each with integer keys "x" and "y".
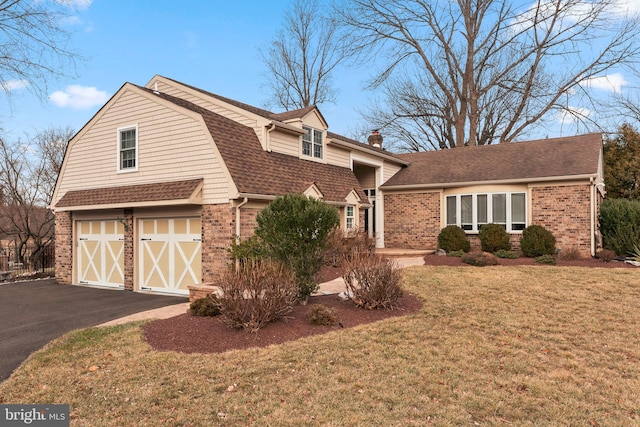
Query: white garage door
{"x": 101, "y": 253}
{"x": 170, "y": 254}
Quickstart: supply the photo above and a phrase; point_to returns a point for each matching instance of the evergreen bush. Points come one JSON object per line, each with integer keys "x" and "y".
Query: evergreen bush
{"x": 453, "y": 238}
{"x": 536, "y": 241}
{"x": 493, "y": 237}
{"x": 294, "y": 230}
{"x": 620, "y": 225}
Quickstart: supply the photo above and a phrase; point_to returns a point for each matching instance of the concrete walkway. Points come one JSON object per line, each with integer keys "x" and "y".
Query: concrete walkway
{"x": 334, "y": 286}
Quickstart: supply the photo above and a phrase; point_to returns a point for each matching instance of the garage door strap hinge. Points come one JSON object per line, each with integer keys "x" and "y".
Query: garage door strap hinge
{"x": 145, "y": 238}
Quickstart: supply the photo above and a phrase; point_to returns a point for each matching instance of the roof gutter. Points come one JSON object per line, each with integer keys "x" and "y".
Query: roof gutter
{"x": 286, "y": 128}
{"x": 489, "y": 182}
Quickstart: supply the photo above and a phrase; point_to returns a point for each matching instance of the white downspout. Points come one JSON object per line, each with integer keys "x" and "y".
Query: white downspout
{"x": 244, "y": 202}
{"x": 267, "y": 142}
{"x": 593, "y": 215}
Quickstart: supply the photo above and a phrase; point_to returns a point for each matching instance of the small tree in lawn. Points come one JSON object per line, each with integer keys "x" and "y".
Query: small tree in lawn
{"x": 294, "y": 229}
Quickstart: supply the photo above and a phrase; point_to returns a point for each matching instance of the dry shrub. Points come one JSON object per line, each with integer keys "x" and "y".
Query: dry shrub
{"x": 371, "y": 281}
{"x": 207, "y": 306}
{"x": 479, "y": 259}
{"x": 321, "y": 315}
{"x": 258, "y": 292}
{"x": 569, "y": 254}
{"x": 606, "y": 255}
{"x": 341, "y": 246}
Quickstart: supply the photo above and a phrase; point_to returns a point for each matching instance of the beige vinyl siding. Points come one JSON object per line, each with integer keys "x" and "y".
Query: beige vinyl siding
{"x": 167, "y": 141}
{"x": 389, "y": 170}
{"x": 285, "y": 143}
{"x": 338, "y": 156}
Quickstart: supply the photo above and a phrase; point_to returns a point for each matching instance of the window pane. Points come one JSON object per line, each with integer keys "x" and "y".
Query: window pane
{"x": 518, "y": 211}
{"x": 482, "y": 208}
{"x": 317, "y": 151}
{"x": 451, "y": 210}
{"x": 466, "y": 210}
{"x": 306, "y": 148}
{"x": 128, "y": 139}
{"x": 317, "y": 144}
{"x": 127, "y": 159}
{"x": 499, "y": 208}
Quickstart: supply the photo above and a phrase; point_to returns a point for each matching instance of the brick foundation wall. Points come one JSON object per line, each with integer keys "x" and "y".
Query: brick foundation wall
{"x": 248, "y": 221}
{"x": 514, "y": 239}
{"x": 565, "y": 211}
{"x": 412, "y": 221}
{"x": 64, "y": 248}
{"x": 218, "y": 226}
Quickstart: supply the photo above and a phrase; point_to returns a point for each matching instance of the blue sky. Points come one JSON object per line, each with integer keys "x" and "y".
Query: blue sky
{"x": 209, "y": 44}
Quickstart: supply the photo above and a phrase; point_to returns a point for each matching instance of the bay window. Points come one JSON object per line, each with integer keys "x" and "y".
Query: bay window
{"x": 471, "y": 211}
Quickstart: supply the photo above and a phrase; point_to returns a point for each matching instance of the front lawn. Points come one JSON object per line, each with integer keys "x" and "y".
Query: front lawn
{"x": 496, "y": 345}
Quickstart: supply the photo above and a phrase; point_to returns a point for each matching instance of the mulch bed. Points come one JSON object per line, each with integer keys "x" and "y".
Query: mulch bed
{"x": 191, "y": 334}
{"x": 585, "y": 262}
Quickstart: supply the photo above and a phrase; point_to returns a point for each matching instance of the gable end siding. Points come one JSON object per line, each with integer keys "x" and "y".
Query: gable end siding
{"x": 167, "y": 141}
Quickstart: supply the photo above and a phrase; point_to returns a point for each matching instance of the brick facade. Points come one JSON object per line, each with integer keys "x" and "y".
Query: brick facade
{"x": 128, "y": 267}
{"x": 565, "y": 211}
{"x": 218, "y": 226}
{"x": 412, "y": 220}
{"x": 64, "y": 248}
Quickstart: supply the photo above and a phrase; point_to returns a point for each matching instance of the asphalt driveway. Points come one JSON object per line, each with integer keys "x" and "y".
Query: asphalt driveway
{"x": 34, "y": 313}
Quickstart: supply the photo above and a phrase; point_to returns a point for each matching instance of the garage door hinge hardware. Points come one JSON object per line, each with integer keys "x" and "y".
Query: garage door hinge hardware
{"x": 197, "y": 240}
{"x": 144, "y": 239}
{"x": 84, "y": 282}
{"x": 144, "y": 288}
{"x": 83, "y": 238}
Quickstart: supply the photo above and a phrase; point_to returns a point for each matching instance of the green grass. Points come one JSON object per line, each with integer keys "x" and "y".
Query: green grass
{"x": 492, "y": 346}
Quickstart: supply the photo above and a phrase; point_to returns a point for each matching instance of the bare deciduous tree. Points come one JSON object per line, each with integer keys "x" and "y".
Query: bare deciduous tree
{"x": 474, "y": 72}
{"x": 34, "y": 44}
{"x": 28, "y": 174}
{"x": 301, "y": 58}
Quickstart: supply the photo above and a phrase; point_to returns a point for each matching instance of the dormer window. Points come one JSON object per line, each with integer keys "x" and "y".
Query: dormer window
{"x": 312, "y": 143}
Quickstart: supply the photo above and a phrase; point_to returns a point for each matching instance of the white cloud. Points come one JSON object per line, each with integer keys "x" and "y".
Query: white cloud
{"x": 627, "y": 7}
{"x": 76, "y": 4}
{"x": 612, "y": 82}
{"x": 13, "y": 85}
{"x": 79, "y": 97}
{"x": 572, "y": 115}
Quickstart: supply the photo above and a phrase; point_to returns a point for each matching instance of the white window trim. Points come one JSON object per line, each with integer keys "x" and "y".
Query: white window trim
{"x": 347, "y": 217}
{"x": 118, "y": 148}
{"x": 475, "y": 228}
{"x": 322, "y": 146}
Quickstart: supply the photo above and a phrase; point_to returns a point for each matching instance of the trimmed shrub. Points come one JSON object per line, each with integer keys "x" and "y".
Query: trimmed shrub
{"x": 207, "y": 306}
{"x": 545, "y": 259}
{"x": 493, "y": 237}
{"x": 453, "y": 238}
{"x": 258, "y": 292}
{"x": 294, "y": 230}
{"x": 372, "y": 282}
{"x": 505, "y": 254}
{"x": 479, "y": 259}
{"x": 457, "y": 254}
{"x": 321, "y": 315}
{"x": 605, "y": 255}
{"x": 620, "y": 225}
{"x": 536, "y": 241}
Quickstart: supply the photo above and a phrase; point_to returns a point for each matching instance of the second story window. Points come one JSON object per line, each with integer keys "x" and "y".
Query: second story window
{"x": 128, "y": 149}
{"x": 312, "y": 143}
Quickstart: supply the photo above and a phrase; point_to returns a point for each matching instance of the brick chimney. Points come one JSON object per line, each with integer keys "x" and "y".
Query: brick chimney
{"x": 375, "y": 139}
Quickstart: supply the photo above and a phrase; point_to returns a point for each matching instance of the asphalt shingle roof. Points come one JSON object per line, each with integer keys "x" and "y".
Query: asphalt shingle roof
{"x": 163, "y": 191}
{"x": 518, "y": 161}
